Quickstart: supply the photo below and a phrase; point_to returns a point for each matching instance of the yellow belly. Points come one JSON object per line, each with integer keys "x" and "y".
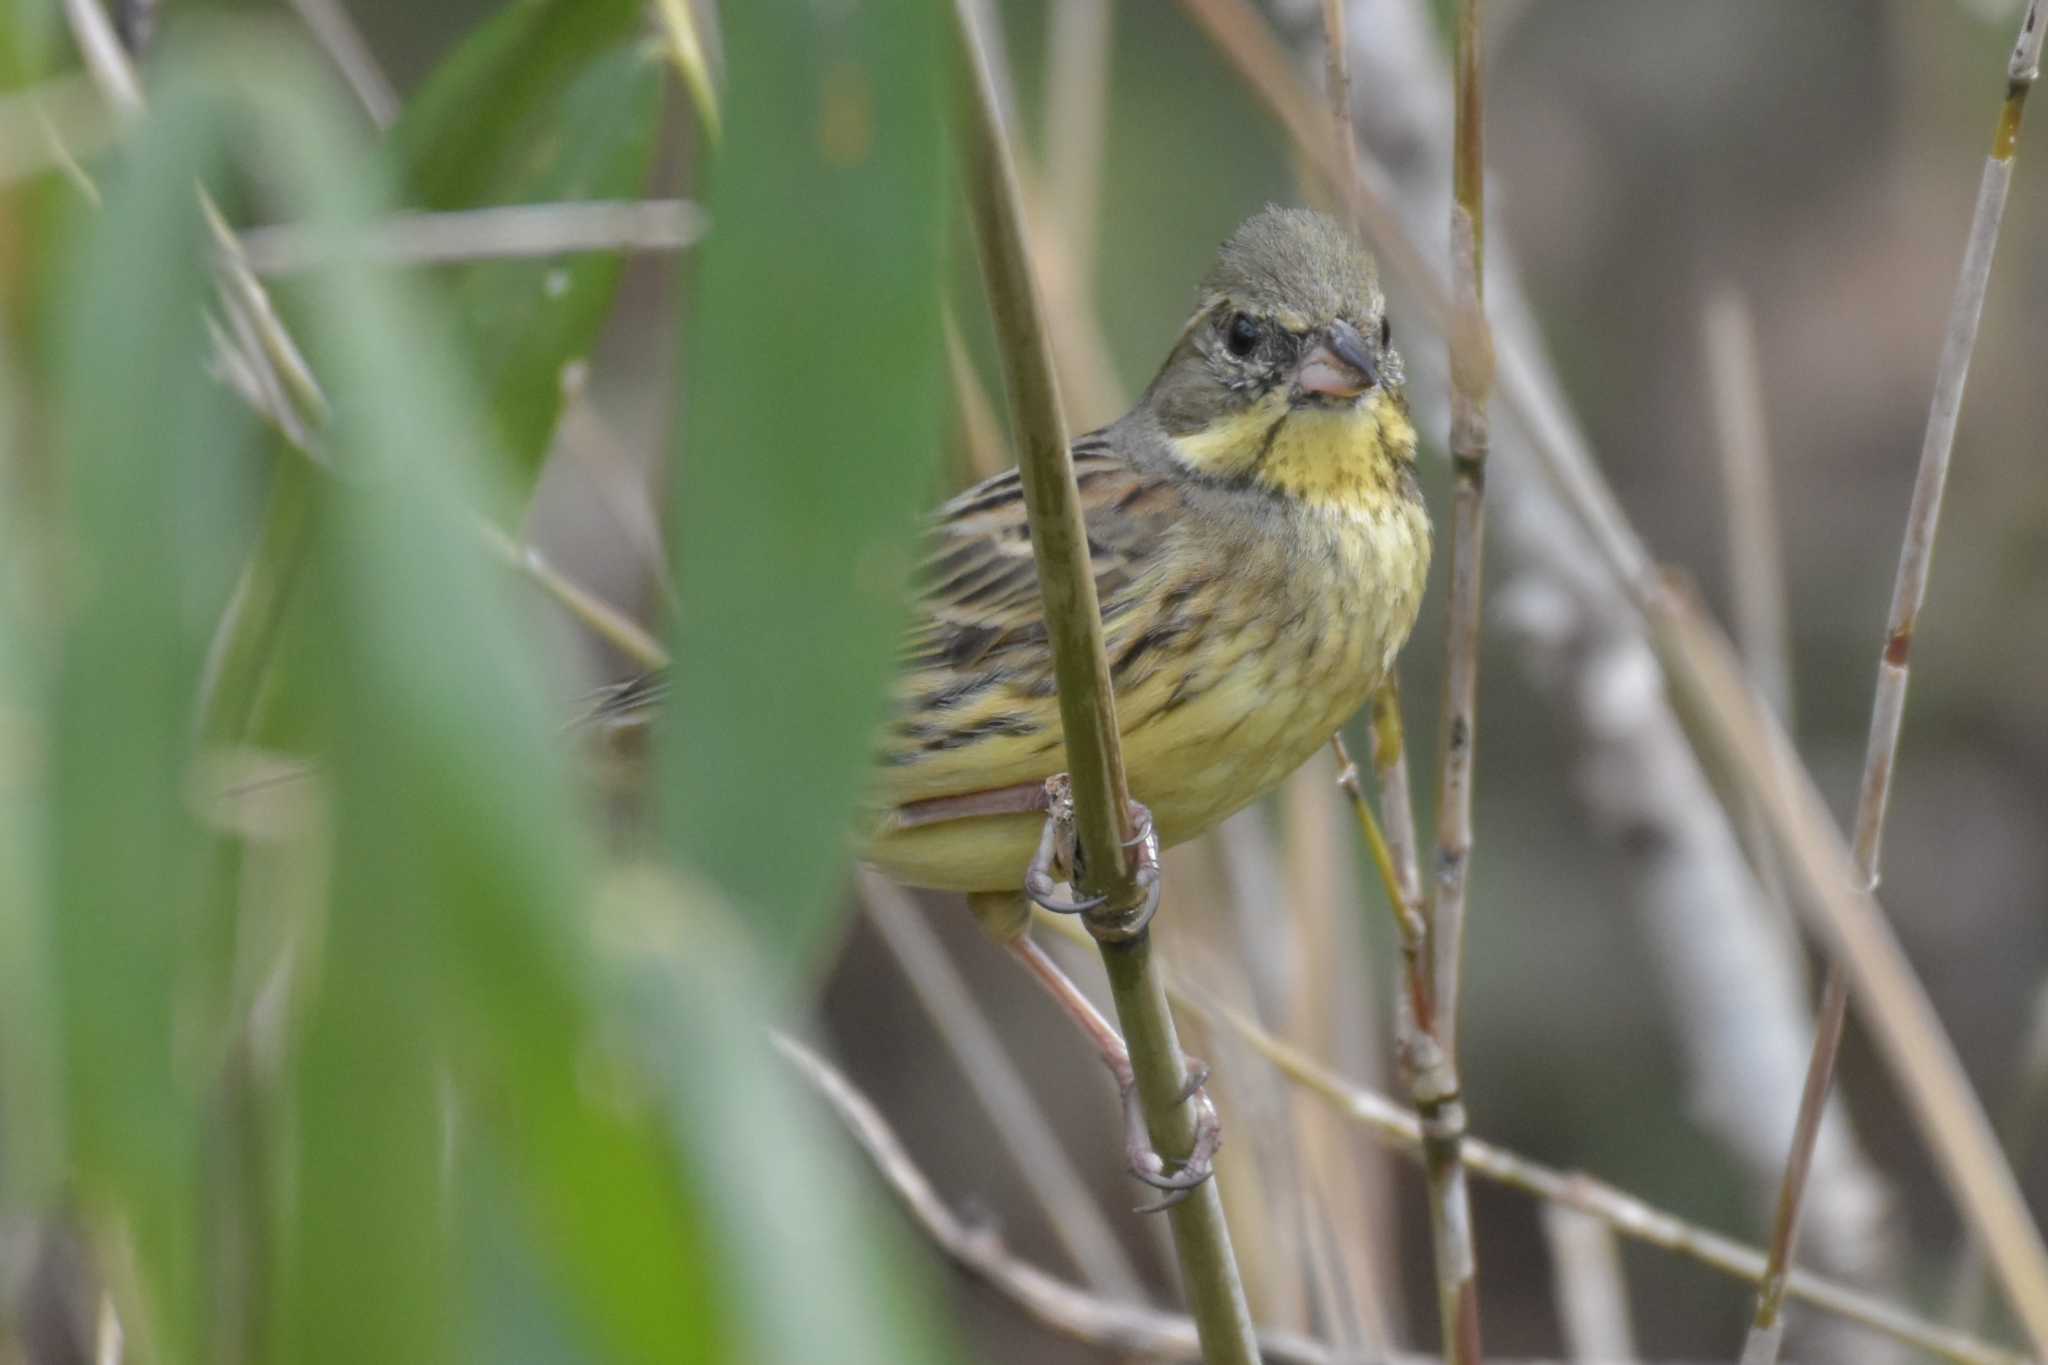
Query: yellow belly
{"x": 1213, "y": 728}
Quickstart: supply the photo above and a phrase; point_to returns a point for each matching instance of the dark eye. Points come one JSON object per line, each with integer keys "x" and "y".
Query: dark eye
{"x": 1386, "y": 332}
{"x": 1243, "y": 336}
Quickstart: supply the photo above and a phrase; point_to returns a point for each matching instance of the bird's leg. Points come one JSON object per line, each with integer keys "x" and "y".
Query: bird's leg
{"x": 1144, "y": 1163}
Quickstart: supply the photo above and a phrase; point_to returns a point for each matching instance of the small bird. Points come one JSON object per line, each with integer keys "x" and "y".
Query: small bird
{"x": 1259, "y": 547}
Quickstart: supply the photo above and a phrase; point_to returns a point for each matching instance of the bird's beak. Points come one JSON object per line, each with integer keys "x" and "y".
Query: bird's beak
{"x": 1337, "y": 366}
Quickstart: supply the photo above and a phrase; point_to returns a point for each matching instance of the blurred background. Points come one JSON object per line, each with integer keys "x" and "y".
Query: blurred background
{"x": 1819, "y": 162}
{"x": 1810, "y": 166}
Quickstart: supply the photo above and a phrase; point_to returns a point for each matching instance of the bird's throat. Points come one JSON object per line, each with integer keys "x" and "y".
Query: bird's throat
{"x": 1340, "y": 457}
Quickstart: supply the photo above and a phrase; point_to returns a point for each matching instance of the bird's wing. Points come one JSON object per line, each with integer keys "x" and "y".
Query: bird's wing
{"x": 977, "y": 664}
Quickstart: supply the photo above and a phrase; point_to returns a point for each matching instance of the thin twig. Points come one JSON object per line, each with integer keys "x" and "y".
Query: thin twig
{"x": 1087, "y": 713}
{"x": 603, "y": 619}
{"x": 507, "y": 232}
{"x": 342, "y": 41}
{"x": 1880, "y": 758}
{"x": 106, "y": 61}
{"x": 1071, "y": 1212}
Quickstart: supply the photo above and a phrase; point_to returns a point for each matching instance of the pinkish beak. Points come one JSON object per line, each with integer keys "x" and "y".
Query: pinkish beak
{"x": 1338, "y": 365}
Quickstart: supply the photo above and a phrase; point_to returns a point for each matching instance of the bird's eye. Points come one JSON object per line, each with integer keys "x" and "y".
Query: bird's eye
{"x": 1243, "y": 337}
{"x": 1386, "y": 332}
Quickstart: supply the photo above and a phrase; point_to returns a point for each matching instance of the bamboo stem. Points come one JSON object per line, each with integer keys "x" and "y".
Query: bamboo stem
{"x": 1087, "y": 709}
{"x": 1909, "y": 592}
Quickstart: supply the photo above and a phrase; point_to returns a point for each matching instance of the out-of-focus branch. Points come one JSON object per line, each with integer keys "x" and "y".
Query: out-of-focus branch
{"x": 342, "y": 41}
{"x": 1880, "y": 758}
{"x": 506, "y": 232}
{"x": 1592, "y": 1297}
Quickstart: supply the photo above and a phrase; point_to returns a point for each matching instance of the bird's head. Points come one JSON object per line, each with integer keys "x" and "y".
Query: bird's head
{"x": 1286, "y": 375}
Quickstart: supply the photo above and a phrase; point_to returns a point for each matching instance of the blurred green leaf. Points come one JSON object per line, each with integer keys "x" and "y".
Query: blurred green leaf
{"x": 808, "y": 445}
{"x": 455, "y": 965}
{"x": 550, "y": 102}
{"x": 814, "y": 1267}
{"x": 31, "y": 1097}
{"x": 152, "y": 452}
{"x": 28, "y": 41}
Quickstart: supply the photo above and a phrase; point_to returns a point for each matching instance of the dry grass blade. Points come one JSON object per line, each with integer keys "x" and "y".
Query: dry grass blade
{"x": 1880, "y": 760}
{"x": 1087, "y": 713}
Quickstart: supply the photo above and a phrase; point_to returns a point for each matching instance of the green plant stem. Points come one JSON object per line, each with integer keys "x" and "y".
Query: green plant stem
{"x": 1087, "y": 710}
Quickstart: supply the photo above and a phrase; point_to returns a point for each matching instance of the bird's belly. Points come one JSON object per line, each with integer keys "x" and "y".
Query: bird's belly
{"x": 1212, "y": 725}
{"x": 1241, "y": 725}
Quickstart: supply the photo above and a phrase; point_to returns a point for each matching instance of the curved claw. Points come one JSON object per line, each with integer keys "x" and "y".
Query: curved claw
{"x": 1042, "y": 894}
{"x": 1141, "y": 821}
{"x": 1146, "y": 1164}
{"x": 1040, "y": 882}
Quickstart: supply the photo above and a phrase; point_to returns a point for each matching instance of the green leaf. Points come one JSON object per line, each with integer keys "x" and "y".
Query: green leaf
{"x": 455, "y": 963}
{"x": 31, "y": 1127}
{"x": 814, "y": 1268}
{"x": 808, "y": 445}
{"x": 153, "y": 455}
{"x": 548, "y": 103}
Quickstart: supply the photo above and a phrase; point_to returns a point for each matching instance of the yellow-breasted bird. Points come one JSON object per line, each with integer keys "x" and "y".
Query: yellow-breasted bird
{"x": 1259, "y": 547}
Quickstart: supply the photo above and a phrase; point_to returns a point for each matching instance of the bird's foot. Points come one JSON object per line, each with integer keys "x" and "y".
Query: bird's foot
{"x": 1177, "y": 1179}
{"x": 1058, "y": 851}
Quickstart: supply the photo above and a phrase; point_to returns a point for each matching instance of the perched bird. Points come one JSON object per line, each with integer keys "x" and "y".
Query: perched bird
{"x": 1259, "y": 547}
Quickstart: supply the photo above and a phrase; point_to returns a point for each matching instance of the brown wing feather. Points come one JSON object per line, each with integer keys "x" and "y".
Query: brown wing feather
{"x": 977, "y": 666}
